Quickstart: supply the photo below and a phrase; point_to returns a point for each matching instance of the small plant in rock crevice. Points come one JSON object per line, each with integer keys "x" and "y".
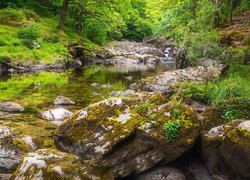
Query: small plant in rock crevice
{"x": 143, "y": 107}
{"x": 171, "y": 129}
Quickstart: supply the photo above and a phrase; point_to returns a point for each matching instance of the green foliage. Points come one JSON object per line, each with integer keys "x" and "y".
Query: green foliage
{"x": 29, "y": 33}
{"x": 233, "y": 55}
{"x": 11, "y": 15}
{"x": 143, "y": 107}
{"x": 176, "y": 113}
{"x": 235, "y": 108}
{"x": 233, "y": 86}
{"x": 171, "y": 129}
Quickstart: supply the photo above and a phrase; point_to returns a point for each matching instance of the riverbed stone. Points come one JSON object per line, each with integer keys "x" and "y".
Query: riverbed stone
{"x": 56, "y": 115}
{"x": 61, "y": 100}
{"x": 163, "y": 83}
{"x": 10, "y": 154}
{"x": 125, "y": 135}
{"x": 9, "y": 106}
{"x": 226, "y": 149}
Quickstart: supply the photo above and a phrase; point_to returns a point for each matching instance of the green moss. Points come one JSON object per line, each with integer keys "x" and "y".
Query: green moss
{"x": 20, "y": 144}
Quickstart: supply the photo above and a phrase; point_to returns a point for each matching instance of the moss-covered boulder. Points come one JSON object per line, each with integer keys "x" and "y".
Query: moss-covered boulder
{"x": 226, "y": 149}
{"x": 126, "y": 135}
{"x": 52, "y": 164}
{"x": 11, "y": 150}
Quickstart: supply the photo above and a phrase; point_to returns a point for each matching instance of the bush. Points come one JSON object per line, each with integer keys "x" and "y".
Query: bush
{"x": 28, "y": 35}
{"x": 29, "y": 32}
{"x": 235, "y": 109}
{"x": 11, "y": 15}
{"x": 171, "y": 129}
{"x": 233, "y": 86}
{"x": 233, "y": 55}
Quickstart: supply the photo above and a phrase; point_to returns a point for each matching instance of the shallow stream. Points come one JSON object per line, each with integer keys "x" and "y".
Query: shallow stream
{"x": 37, "y": 91}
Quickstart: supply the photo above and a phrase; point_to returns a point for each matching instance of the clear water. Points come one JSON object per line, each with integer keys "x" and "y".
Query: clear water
{"x": 37, "y": 91}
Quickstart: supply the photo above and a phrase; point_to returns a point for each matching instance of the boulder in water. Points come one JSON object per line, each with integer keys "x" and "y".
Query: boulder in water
{"x": 61, "y": 100}
{"x": 56, "y": 115}
{"x": 11, "y": 107}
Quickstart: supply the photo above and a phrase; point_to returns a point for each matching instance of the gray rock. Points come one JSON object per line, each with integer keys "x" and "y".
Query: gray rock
{"x": 130, "y": 78}
{"x": 95, "y": 84}
{"x": 198, "y": 171}
{"x": 163, "y": 83}
{"x": 97, "y": 132}
{"x": 56, "y": 115}
{"x": 162, "y": 173}
{"x": 245, "y": 125}
{"x": 106, "y": 86}
{"x": 61, "y": 100}
{"x": 11, "y": 107}
{"x": 10, "y": 155}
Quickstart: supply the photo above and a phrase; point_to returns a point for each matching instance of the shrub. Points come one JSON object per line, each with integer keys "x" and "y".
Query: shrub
{"x": 29, "y": 32}
{"x": 9, "y": 15}
{"x": 235, "y": 108}
{"x": 233, "y": 86}
{"x": 28, "y": 35}
{"x": 233, "y": 55}
{"x": 171, "y": 129}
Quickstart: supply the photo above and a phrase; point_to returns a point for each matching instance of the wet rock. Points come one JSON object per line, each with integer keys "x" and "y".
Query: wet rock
{"x": 61, "y": 100}
{"x": 207, "y": 62}
{"x": 162, "y": 173}
{"x": 163, "y": 83}
{"x": 48, "y": 164}
{"x": 198, "y": 171}
{"x": 28, "y": 140}
{"x": 125, "y": 135}
{"x": 106, "y": 86}
{"x": 225, "y": 149}
{"x": 197, "y": 106}
{"x": 56, "y": 115}
{"x": 95, "y": 84}
{"x": 5, "y": 176}
{"x": 11, "y": 107}
{"x": 121, "y": 93}
{"x": 10, "y": 154}
{"x": 235, "y": 149}
{"x": 130, "y": 78}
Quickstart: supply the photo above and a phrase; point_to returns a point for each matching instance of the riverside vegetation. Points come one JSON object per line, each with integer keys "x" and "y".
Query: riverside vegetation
{"x": 153, "y": 88}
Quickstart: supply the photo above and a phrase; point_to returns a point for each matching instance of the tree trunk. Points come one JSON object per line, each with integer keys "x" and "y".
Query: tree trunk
{"x": 63, "y": 14}
{"x": 231, "y": 12}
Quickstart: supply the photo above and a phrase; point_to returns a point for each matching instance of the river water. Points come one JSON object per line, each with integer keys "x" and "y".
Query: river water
{"x": 37, "y": 91}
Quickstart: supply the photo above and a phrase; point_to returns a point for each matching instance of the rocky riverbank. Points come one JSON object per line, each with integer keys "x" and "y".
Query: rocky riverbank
{"x": 143, "y": 135}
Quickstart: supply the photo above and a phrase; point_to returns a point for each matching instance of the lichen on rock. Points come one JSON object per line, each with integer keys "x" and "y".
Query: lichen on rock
{"x": 125, "y": 139}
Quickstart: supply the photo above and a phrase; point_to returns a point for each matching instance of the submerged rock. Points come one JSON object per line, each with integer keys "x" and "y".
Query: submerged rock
{"x": 126, "y": 135}
{"x": 226, "y": 149}
{"x": 10, "y": 154}
{"x": 56, "y": 115}
{"x": 162, "y": 173}
{"x": 163, "y": 83}
{"x": 61, "y": 100}
{"x": 11, "y": 107}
